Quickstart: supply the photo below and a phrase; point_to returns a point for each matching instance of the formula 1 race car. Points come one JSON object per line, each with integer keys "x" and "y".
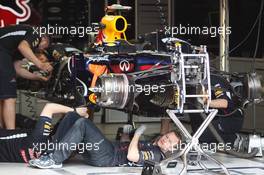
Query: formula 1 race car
{"x": 141, "y": 82}
{"x": 150, "y": 76}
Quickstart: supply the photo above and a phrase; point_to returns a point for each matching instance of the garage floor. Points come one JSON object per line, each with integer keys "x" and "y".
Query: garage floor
{"x": 77, "y": 167}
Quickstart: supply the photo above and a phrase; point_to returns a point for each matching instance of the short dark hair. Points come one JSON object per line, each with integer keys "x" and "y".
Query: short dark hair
{"x": 47, "y": 37}
{"x": 176, "y": 132}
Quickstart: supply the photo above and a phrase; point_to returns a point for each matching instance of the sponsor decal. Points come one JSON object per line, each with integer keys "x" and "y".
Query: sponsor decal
{"x": 124, "y": 65}
{"x": 9, "y": 16}
{"x": 92, "y": 98}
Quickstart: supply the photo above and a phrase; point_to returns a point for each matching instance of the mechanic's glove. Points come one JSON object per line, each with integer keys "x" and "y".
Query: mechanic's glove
{"x": 140, "y": 130}
{"x": 127, "y": 129}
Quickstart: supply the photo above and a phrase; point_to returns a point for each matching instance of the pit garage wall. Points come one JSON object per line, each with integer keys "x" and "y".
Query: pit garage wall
{"x": 236, "y": 65}
{"x": 245, "y": 65}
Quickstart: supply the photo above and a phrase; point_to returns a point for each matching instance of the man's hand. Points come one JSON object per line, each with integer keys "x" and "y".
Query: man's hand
{"x": 45, "y": 67}
{"x": 24, "y": 73}
{"x": 140, "y": 130}
{"x": 202, "y": 101}
{"x": 43, "y": 78}
{"x": 82, "y": 111}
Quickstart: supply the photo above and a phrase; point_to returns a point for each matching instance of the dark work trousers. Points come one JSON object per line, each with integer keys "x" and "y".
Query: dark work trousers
{"x": 227, "y": 127}
{"x": 97, "y": 150}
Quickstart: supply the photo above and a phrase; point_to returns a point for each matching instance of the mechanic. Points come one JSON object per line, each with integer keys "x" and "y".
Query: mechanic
{"x": 19, "y": 145}
{"x": 14, "y": 39}
{"x": 102, "y": 152}
{"x": 229, "y": 119}
{"x": 24, "y": 73}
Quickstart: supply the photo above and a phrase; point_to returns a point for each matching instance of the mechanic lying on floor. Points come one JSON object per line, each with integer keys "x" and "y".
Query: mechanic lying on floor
{"x": 101, "y": 152}
{"x": 19, "y": 145}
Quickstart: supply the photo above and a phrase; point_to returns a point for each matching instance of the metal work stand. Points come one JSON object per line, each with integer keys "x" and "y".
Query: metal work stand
{"x": 192, "y": 141}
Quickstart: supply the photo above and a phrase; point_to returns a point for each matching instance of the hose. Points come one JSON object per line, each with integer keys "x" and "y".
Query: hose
{"x": 229, "y": 114}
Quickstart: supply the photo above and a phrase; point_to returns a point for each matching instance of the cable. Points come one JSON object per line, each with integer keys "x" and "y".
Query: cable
{"x": 250, "y": 32}
{"x": 247, "y": 36}
{"x": 258, "y": 35}
{"x": 162, "y": 15}
{"x": 30, "y": 105}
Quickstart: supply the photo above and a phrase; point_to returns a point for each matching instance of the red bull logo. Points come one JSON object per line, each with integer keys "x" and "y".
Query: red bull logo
{"x": 9, "y": 16}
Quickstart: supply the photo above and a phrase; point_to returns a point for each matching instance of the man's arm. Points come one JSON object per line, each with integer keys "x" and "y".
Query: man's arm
{"x": 220, "y": 100}
{"x": 133, "y": 152}
{"x": 53, "y": 108}
{"x": 219, "y": 103}
{"x": 27, "y": 52}
{"x": 26, "y": 74}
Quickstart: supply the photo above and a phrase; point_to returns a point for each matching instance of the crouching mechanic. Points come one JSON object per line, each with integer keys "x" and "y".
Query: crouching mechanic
{"x": 229, "y": 119}
{"x": 102, "y": 152}
{"x": 24, "y": 145}
{"x": 13, "y": 40}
